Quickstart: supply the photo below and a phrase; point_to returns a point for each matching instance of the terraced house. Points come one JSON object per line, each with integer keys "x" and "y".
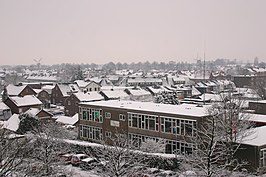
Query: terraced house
{"x": 141, "y": 120}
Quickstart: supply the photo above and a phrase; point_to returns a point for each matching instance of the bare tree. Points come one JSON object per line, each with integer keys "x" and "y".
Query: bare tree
{"x": 47, "y": 144}
{"x": 13, "y": 151}
{"x": 219, "y": 137}
{"x": 120, "y": 157}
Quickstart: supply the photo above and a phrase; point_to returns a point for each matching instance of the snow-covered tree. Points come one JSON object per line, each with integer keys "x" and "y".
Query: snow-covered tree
{"x": 167, "y": 98}
{"x": 153, "y": 146}
{"x": 46, "y": 146}
{"x": 218, "y": 139}
{"x": 13, "y": 150}
{"x": 120, "y": 158}
{"x": 27, "y": 123}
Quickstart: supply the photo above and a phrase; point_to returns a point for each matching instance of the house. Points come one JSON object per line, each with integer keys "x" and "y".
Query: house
{"x": 40, "y": 114}
{"x": 5, "y": 112}
{"x": 88, "y": 86}
{"x": 253, "y": 150}
{"x": 23, "y": 90}
{"x": 139, "y": 94}
{"x": 114, "y": 94}
{"x": 71, "y": 106}
{"x": 60, "y": 92}
{"x": 44, "y": 97}
{"x": 155, "y": 90}
{"x": 141, "y": 120}
{"x": 22, "y": 104}
{"x": 69, "y": 122}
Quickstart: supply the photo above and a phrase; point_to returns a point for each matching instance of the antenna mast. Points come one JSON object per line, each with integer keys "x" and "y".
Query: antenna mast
{"x": 204, "y": 68}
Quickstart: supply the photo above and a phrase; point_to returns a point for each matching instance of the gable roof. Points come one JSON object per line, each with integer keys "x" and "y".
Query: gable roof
{"x": 115, "y": 94}
{"x": 25, "y": 101}
{"x": 36, "y": 111}
{"x": 12, "y": 123}
{"x": 3, "y": 106}
{"x": 256, "y": 138}
{"x": 13, "y": 90}
{"x": 68, "y": 120}
{"x": 66, "y": 89}
{"x": 81, "y": 83}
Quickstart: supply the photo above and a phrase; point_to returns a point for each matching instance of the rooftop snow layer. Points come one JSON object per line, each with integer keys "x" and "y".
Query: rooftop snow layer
{"x": 26, "y": 100}
{"x": 184, "y": 109}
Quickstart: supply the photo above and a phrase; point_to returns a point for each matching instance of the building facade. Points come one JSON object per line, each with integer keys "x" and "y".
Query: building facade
{"x": 176, "y": 124}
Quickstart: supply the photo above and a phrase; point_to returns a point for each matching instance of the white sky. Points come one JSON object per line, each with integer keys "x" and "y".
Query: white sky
{"x": 100, "y": 31}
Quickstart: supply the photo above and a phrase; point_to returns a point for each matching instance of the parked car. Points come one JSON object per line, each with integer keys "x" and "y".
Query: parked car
{"x": 88, "y": 163}
{"x": 66, "y": 158}
{"x": 77, "y": 158}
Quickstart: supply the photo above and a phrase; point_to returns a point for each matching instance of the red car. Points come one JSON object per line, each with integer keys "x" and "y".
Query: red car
{"x": 77, "y": 158}
{"x": 66, "y": 158}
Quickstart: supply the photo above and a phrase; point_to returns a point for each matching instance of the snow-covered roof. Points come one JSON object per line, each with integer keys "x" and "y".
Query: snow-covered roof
{"x": 212, "y": 97}
{"x": 89, "y": 96}
{"x": 96, "y": 79}
{"x": 3, "y": 106}
{"x": 183, "y": 109}
{"x": 157, "y": 90}
{"x": 14, "y": 90}
{"x": 33, "y": 111}
{"x": 12, "y": 123}
{"x": 43, "y": 78}
{"x": 26, "y": 100}
{"x": 114, "y": 88}
{"x": 48, "y": 88}
{"x": 247, "y": 93}
{"x": 259, "y": 69}
{"x": 195, "y": 91}
{"x": 68, "y": 120}
{"x": 37, "y": 90}
{"x": 259, "y": 101}
{"x": 256, "y": 138}
{"x": 178, "y": 79}
{"x": 260, "y": 118}
{"x": 66, "y": 89}
{"x": 81, "y": 83}
{"x": 138, "y": 92}
{"x": 144, "y": 80}
{"x": 113, "y": 94}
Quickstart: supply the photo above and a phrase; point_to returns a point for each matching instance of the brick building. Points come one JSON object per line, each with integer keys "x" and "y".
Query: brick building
{"x": 141, "y": 120}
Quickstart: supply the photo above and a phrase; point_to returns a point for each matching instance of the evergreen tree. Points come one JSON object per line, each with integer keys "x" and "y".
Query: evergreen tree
{"x": 27, "y": 123}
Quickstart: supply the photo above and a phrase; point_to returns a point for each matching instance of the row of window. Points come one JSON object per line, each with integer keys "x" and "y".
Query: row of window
{"x": 90, "y": 132}
{"x": 171, "y": 147}
{"x": 91, "y": 114}
{"x": 147, "y": 122}
{"x": 143, "y": 121}
{"x": 178, "y": 126}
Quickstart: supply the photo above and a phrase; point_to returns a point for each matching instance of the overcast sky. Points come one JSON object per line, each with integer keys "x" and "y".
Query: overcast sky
{"x": 100, "y": 31}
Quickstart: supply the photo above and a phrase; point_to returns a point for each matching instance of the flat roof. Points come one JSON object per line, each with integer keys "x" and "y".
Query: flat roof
{"x": 256, "y": 137}
{"x": 183, "y": 109}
